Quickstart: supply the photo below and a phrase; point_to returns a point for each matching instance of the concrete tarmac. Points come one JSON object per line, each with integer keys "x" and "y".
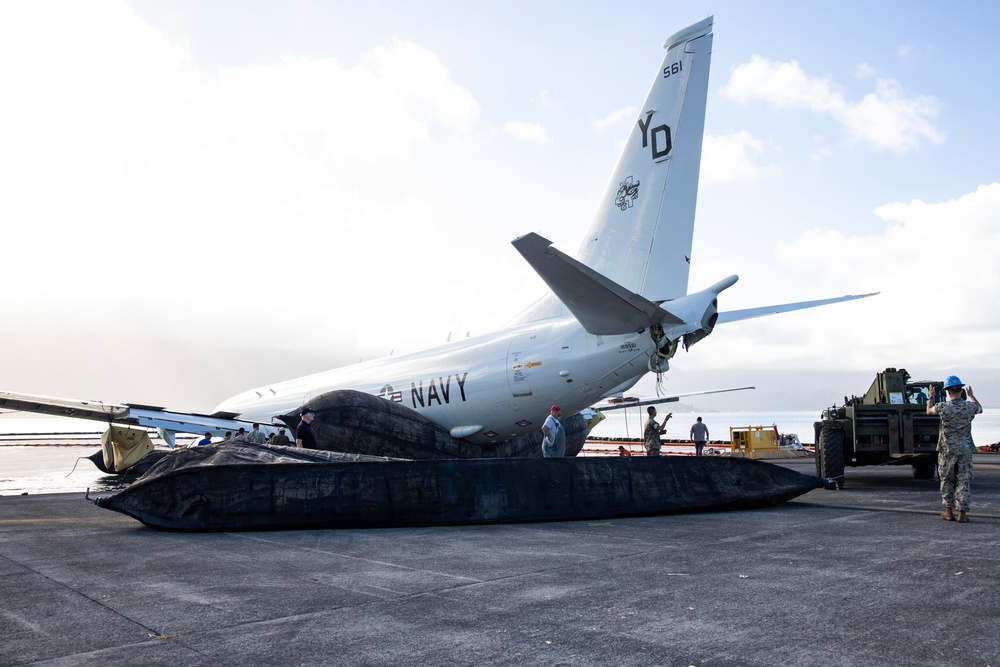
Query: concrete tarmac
{"x": 869, "y": 575}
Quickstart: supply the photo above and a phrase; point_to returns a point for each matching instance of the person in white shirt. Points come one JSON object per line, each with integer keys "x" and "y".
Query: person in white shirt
{"x": 554, "y": 440}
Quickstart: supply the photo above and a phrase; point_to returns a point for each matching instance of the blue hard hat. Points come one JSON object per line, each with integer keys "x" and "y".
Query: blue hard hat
{"x": 953, "y": 381}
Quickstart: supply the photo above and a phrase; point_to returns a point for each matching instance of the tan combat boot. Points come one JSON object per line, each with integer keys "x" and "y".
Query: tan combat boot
{"x": 947, "y": 515}
{"x": 963, "y": 517}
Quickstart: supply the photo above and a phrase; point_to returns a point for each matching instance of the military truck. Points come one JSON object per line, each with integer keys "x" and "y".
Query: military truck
{"x": 888, "y": 425}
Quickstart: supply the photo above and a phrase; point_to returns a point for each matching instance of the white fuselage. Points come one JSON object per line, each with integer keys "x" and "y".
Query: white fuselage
{"x": 486, "y": 389}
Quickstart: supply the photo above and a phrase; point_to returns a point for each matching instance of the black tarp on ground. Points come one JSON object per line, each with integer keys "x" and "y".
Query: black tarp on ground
{"x": 238, "y": 486}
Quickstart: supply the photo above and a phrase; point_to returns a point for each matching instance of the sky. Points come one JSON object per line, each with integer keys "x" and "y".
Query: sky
{"x": 199, "y": 198}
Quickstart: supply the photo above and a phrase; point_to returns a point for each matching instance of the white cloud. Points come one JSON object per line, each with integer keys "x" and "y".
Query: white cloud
{"x": 864, "y": 71}
{"x": 732, "y": 158}
{"x": 935, "y": 267}
{"x": 136, "y": 181}
{"x": 615, "y": 117}
{"x": 822, "y": 150}
{"x": 887, "y": 118}
{"x": 532, "y": 133}
{"x": 548, "y": 100}
{"x": 423, "y": 85}
{"x": 784, "y": 85}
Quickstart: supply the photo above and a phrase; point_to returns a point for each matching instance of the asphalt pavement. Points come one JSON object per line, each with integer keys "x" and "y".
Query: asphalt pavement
{"x": 868, "y": 575}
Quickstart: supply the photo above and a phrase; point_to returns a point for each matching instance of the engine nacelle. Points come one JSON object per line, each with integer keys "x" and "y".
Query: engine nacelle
{"x": 697, "y": 313}
{"x": 708, "y": 321}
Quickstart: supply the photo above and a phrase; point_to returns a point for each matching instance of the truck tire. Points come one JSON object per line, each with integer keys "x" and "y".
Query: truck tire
{"x": 924, "y": 469}
{"x": 830, "y": 452}
{"x": 817, "y": 429}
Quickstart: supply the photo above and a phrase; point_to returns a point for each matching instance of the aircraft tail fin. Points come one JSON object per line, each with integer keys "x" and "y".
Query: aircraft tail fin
{"x": 641, "y": 234}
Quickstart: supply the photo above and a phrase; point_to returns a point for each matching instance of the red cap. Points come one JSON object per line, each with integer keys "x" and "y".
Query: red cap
{"x": 555, "y": 408}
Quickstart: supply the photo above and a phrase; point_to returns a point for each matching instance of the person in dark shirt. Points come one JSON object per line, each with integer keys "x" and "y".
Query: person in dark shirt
{"x": 699, "y": 435}
{"x": 304, "y": 436}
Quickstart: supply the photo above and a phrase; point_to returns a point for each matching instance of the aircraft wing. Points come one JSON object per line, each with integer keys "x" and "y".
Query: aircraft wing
{"x": 748, "y": 313}
{"x": 122, "y": 413}
{"x": 632, "y": 402}
{"x": 602, "y": 306}
{"x": 64, "y": 407}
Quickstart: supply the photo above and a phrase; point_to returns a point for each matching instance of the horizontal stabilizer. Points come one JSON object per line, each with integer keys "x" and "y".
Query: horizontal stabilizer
{"x": 630, "y": 402}
{"x": 749, "y": 313}
{"x": 602, "y": 306}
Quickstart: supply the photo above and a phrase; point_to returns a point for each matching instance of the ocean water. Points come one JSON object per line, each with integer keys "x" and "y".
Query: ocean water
{"x": 52, "y": 469}
{"x": 45, "y": 455}
{"x": 629, "y": 423}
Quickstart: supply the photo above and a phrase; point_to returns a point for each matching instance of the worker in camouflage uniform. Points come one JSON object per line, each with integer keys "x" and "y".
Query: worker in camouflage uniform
{"x": 652, "y": 431}
{"x": 955, "y": 447}
{"x": 256, "y": 436}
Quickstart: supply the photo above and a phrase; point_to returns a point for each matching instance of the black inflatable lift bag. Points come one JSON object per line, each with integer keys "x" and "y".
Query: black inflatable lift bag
{"x": 238, "y": 486}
